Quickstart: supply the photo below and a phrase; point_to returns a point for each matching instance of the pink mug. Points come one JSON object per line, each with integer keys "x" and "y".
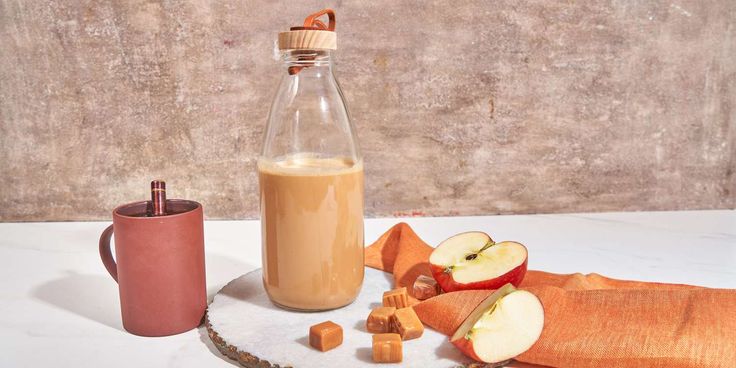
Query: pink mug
{"x": 160, "y": 267}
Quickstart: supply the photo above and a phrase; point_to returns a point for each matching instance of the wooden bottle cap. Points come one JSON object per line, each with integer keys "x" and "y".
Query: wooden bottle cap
{"x": 307, "y": 39}
{"x": 314, "y": 35}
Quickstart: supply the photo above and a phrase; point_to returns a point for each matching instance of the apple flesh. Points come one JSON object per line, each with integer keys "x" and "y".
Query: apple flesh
{"x": 504, "y": 325}
{"x": 473, "y": 260}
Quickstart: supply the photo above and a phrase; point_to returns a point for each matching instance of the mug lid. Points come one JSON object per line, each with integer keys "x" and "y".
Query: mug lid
{"x": 142, "y": 209}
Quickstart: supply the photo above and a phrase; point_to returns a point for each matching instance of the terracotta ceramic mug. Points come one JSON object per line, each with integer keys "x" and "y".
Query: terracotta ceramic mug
{"x": 160, "y": 266}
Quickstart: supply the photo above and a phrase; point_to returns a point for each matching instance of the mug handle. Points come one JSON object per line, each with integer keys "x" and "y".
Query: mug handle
{"x": 106, "y": 253}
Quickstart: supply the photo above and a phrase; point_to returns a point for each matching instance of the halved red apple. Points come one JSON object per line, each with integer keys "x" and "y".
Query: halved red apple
{"x": 504, "y": 325}
{"x": 473, "y": 260}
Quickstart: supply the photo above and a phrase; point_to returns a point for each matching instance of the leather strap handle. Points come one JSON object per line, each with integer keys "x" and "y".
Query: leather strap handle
{"x": 311, "y": 21}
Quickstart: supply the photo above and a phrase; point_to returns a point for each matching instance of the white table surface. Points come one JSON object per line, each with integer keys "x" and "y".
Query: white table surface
{"x": 59, "y": 307}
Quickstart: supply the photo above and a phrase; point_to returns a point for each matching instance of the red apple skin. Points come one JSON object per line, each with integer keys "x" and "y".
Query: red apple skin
{"x": 448, "y": 284}
{"x": 466, "y": 346}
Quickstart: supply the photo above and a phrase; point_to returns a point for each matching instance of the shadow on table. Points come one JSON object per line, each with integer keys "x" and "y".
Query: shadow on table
{"x": 447, "y": 351}
{"x": 364, "y": 355}
{"x": 304, "y": 341}
{"x": 223, "y": 265}
{"x": 360, "y": 326}
{"x": 205, "y": 339}
{"x": 247, "y": 288}
{"x": 94, "y": 297}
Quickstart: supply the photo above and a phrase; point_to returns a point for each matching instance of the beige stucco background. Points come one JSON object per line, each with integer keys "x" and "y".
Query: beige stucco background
{"x": 462, "y": 107}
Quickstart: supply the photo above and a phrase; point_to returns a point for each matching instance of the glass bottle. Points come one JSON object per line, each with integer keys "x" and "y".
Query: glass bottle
{"x": 311, "y": 183}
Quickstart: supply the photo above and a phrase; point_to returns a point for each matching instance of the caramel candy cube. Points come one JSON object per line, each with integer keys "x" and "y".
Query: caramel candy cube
{"x": 325, "y": 336}
{"x": 396, "y": 298}
{"x": 426, "y": 287}
{"x": 406, "y": 323}
{"x": 379, "y": 321}
{"x": 387, "y": 348}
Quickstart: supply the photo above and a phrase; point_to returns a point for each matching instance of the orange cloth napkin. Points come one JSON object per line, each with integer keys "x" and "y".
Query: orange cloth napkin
{"x": 590, "y": 320}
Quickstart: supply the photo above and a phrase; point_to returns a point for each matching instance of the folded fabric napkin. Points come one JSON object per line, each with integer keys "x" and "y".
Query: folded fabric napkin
{"x": 590, "y": 320}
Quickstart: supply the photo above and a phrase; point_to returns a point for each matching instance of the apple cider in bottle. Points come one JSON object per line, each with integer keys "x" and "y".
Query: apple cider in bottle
{"x": 311, "y": 179}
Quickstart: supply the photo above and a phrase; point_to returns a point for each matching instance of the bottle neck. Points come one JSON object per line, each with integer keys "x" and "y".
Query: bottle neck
{"x": 297, "y": 61}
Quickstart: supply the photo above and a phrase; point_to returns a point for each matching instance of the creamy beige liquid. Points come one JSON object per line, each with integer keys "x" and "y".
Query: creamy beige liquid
{"x": 312, "y": 228}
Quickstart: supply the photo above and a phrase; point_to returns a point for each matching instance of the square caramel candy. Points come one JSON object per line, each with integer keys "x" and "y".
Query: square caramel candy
{"x": 426, "y": 287}
{"x": 406, "y": 323}
{"x": 325, "y": 336}
{"x": 379, "y": 321}
{"x": 396, "y": 298}
{"x": 387, "y": 348}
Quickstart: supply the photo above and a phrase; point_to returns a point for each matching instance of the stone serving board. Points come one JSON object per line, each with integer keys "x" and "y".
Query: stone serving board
{"x": 247, "y": 327}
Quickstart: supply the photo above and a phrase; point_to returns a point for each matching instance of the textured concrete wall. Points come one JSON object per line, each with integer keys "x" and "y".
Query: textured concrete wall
{"x": 462, "y": 107}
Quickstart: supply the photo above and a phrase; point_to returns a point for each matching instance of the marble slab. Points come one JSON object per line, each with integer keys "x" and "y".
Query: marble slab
{"x": 245, "y": 318}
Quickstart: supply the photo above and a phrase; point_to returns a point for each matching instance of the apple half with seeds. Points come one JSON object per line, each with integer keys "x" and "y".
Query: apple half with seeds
{"x": 473, "y": 260}
{"x": 503, "y": 326}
